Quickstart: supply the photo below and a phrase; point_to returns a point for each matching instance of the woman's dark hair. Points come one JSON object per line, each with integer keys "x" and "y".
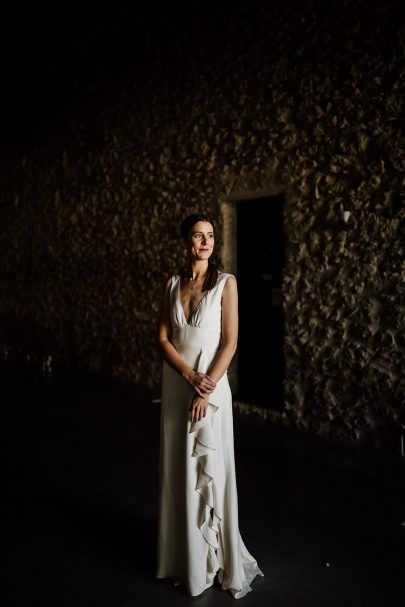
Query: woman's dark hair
{"x": 185, "y": 228}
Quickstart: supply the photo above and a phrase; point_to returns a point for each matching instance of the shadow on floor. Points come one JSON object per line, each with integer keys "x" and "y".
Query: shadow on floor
{"x": 322, "y": 517}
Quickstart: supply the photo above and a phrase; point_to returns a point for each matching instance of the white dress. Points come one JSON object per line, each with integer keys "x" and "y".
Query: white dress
{"x": 198, "y": 531}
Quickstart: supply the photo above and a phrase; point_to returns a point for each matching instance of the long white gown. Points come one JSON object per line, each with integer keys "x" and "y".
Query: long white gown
{"x": 198, "y": 532}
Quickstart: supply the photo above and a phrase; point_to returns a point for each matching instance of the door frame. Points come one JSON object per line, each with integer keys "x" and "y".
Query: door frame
{"x": 229, "y": 262}
{"x": 227, "y": 208}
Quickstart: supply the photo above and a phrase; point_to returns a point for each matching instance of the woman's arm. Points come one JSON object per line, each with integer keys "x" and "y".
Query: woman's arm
{"x": 229, "y": 337}
{"x": 202, "y": 383}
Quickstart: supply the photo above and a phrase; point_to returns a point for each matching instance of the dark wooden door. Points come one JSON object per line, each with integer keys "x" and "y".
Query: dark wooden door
{"x": 260, "y": 262}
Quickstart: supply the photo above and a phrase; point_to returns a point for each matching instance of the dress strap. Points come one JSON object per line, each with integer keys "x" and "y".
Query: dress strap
{"x": 222, "y": 278}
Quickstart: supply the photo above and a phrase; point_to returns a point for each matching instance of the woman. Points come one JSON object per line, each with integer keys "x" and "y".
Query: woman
{"x": 198, "y": 535}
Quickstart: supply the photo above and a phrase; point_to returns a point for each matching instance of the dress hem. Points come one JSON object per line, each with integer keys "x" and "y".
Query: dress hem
{"x": 236, "y": 594}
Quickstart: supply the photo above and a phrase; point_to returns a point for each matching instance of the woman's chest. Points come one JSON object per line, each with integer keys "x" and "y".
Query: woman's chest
{"x": 190, "y": 299}
{"x": 195, "y": 307}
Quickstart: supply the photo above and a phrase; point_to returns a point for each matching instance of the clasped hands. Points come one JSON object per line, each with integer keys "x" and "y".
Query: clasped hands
{"x": 203, "y": 386}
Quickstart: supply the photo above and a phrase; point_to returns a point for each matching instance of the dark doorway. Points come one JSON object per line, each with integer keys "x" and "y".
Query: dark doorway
{"x": 260, "y": 262}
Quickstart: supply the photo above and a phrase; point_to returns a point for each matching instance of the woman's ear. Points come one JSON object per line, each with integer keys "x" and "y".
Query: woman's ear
{"x": 183, "y": 243}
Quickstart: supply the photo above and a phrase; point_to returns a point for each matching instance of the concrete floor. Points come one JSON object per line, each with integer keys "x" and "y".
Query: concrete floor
{"x": 322, "y": 518}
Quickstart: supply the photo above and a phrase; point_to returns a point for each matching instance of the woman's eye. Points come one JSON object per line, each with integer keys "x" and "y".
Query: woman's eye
{"x": 199, "y": 235}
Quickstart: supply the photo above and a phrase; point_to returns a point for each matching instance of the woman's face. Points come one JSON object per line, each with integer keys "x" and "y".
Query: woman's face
{"x": 200, "y": 241}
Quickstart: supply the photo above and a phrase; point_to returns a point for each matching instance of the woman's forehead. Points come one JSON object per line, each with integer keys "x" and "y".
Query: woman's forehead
{"x": 202, "y": 226}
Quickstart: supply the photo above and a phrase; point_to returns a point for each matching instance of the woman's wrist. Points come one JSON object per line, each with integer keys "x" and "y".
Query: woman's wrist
{"x": 187, "y": 374}
{"x": 204, "y": 398}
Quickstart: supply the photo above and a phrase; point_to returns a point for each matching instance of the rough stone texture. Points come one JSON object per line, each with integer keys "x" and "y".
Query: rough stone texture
{"x": 291, "y": 95}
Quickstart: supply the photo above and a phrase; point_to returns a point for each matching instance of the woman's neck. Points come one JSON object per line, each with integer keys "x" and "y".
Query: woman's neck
{"x": 198, "y": 269}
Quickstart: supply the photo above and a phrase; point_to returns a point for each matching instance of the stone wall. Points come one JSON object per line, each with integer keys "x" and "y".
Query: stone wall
{"x": 291, "y": 96}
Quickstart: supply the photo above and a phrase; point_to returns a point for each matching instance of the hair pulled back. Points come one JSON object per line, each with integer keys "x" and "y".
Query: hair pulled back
{"x": 185, "y": 229}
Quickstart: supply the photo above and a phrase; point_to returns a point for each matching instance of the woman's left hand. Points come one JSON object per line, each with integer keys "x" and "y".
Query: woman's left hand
{"x": 198, "y": 408}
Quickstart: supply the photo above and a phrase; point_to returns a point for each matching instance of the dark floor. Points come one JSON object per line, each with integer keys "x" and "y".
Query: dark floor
{"x": 322, "y": 518}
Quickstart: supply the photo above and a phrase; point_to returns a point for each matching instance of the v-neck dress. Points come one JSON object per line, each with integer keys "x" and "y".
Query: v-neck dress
{"x": 198, "y": 530}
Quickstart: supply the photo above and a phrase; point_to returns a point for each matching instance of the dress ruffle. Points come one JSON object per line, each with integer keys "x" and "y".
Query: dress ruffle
{"x": 205, "y": 450}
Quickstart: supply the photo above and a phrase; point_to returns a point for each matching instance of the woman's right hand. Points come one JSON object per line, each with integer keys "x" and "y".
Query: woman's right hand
{"x": 202, "y": 383}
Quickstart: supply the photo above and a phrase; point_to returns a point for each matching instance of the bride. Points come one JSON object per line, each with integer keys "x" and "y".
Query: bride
{"x": 198, "y": 531}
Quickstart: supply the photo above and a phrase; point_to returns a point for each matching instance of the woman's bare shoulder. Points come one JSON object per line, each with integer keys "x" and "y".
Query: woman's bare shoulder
{"x": 228, "y": 277}
{"x": 230, "y": 286}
